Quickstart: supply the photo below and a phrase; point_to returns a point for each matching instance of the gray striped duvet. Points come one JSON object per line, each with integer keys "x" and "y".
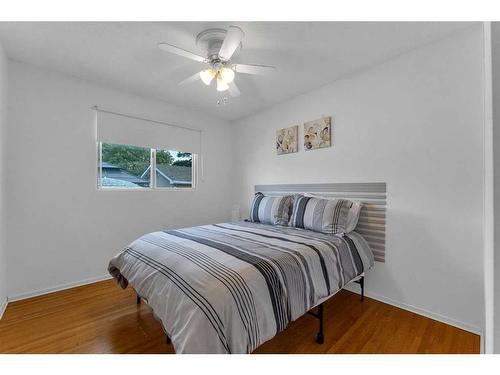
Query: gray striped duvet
{"x": 228, "y": 288}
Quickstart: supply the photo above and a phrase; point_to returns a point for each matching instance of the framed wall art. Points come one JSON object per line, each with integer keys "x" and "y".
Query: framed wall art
{"x": 287, "y": 140}
{"x": 318, "y": 133}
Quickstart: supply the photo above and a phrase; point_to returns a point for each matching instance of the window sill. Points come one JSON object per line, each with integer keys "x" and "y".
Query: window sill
{"x": 146, "y": 189}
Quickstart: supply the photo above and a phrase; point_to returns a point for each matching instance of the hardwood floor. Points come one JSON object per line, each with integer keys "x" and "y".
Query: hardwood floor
{"x": 103, "y": 318}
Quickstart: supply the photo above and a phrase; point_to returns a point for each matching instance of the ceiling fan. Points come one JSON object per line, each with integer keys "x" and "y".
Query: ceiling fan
{"x": 220, "y": 45}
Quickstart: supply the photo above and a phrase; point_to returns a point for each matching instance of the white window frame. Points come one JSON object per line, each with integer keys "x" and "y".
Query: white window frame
{"x": 152, "y": 179}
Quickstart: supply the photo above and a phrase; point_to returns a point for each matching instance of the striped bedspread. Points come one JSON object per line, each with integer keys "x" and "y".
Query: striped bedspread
{"x": 228, "y": 288}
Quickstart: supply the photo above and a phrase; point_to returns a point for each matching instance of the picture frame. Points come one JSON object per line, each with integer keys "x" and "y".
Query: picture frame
{"x": 287, "y": 140}
{"x": 318, "y": 133}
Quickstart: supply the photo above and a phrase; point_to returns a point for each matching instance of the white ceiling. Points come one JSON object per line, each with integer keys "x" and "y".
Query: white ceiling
{"x": 124, "y": 55}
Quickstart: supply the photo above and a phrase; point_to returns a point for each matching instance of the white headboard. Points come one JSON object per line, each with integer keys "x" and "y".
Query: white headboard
{"x": 373, "y": 196}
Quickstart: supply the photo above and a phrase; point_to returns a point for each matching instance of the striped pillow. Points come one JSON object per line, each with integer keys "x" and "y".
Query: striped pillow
{"x": 354, "y": 212}
{"x": 321, "y": 215}
{"x": 271, "y": 210}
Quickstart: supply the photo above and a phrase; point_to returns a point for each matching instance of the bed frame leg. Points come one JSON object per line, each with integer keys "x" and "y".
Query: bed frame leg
{"x": 138, "y": 300}
{"x": 320, "y": 338}
{"x": 361, "y": 282}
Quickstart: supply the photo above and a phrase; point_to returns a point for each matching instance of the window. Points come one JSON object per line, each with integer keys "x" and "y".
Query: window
{"x": 174, "y": 169}
{"x": 129, "y": 167}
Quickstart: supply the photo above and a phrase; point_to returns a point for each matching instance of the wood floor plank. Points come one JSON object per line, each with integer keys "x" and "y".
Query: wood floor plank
{"x": 102, "y": 318}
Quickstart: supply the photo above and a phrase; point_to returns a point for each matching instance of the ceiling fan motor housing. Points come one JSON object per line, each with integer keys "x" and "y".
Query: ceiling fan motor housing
{"x": 210, "y": 41}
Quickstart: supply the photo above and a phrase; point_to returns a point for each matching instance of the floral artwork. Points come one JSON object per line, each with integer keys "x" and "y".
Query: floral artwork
{"x": 318, "y": 133}
{"x": 287, "y": 140}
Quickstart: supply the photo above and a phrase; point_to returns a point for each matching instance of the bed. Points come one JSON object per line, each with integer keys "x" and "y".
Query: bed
{"x": 230, "y": 287}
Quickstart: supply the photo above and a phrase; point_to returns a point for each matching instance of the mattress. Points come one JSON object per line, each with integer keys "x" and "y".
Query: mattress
{"x": 229, "y": 287}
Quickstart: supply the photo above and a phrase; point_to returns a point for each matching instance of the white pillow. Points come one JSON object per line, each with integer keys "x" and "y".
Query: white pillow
{"x": 352, "y": 216}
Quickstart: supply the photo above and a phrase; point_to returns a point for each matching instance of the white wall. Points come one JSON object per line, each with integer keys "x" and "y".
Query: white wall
{"x": 3, "y": 125}
{"x": 416, "y": 123}
{"x": 495, "y": 36}
{"x": 61, "y": 230}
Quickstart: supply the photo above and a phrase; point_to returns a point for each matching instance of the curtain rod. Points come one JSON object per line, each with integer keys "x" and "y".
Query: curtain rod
{"x": 96, "y": 108}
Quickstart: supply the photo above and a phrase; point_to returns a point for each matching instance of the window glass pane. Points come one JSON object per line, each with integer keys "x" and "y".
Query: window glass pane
{"x": 174, "y": 169}
{"x": 125, "y": 167}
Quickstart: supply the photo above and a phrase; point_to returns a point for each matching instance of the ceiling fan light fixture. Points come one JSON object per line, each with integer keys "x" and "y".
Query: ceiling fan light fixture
{"x": 221, "y": 85}
{"x": 227, "y": 75}
{"x": 207, "y": 76}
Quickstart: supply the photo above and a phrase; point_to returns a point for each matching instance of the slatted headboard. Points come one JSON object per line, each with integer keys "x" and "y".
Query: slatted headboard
{"x": 373, "y": 196}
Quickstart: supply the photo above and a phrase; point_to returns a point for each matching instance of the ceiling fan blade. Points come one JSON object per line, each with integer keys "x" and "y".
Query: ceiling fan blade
{"x": 253, "y": 69}
{"x": 234, "y": 91}
{"x": 195, "y": 77}
{"x": 234, "y": 36}
{"x": 181, "y": 52}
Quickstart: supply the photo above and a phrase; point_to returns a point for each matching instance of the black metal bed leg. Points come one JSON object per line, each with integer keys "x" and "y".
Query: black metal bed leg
{"x": 138, "y": 300}
{"x": 320, "y": 338}
{"x": 362, "y": 285}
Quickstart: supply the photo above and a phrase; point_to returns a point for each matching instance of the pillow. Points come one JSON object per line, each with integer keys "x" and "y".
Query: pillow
{"x": 271, "y": 210}
{"x": 328, "y": 216}
{"x": 353, "y": 217}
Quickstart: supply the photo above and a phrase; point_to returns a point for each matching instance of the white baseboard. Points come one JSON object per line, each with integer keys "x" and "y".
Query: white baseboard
{"x": 417, "y": 310}
{"x": 39, "y": 292}
{"x": 3, "y": 307}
